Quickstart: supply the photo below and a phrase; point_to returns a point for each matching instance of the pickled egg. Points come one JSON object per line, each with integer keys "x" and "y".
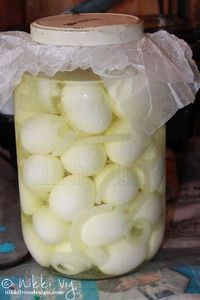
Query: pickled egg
{"x": 104, "y": 228}
{"x": 151, "y": 208}
{"x": 24, "y": 98}
{"x": 117, "y": 110}
{"x": 96, "y": 254}
{"x": 67, "y": 263}
{"x": 84, "y": 160}
{"x": 122, "y": 258}
{"x": 39, "y": 250}
{"x": 28, "y": 201}
{"x": 42, "y": 172}
{"x": 129, "y": 96}
{"x": 125, "y": 152}
{"x": 116, "y": 185}
{"x": 86, "y": 107}
{"x": 156, "y": 239}
{"x": 150, "y": 168}
{"x": 49, "y": 94}
{"x": 40, "y": 133}
{"x": 48, "y": 227}
{"x": 72, "y": 195}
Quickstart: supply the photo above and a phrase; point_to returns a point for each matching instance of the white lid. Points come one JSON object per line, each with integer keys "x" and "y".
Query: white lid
{"x": 91, "y": 29}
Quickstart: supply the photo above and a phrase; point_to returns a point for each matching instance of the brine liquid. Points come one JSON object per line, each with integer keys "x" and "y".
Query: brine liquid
{"x": 92, "y": 186}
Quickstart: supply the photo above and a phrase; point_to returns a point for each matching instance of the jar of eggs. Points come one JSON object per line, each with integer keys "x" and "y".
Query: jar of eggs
{"x": 91, "y": 180}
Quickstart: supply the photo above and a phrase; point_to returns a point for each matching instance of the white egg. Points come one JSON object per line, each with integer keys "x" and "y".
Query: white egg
{"x": 97, "y": 255}
{"x": 24, "y": 96}
{"x": 150, "y": 154}
{"x": 129, "y": 96}
{"x": 48, "y": 227}
{"x": 140, "y": 232}
{"x": 116, "y": 108}
{"x": 84, "y": 160}
{"x": 156, "y": 239}
{"x": 126, "y": 152}
{"x": 116, "y": 185}
{"x": 134, "y": 206}
{"x": 36, "y": 94}
{"x": 151, "y": 208}
{"x": 142, "y": 174}
{"x": 49, "y": 94}
{"x": 86, "y": 107}
{"x": 67, "y": 263}
{"x": 76, "y": 243}
{"x": 150, "y": 168}
{"x": 122, "y": 258}
{"x": 39, "y": 250}
{"x": 72, "y": 195}
{"x": 42, "y": 172}
{"x": 104, "y": 228}
{"x": 65, "y": 142}
{"x": 28, "y": 201}
{"x": 23, "y": 108}
{"x": 40, "y": 133}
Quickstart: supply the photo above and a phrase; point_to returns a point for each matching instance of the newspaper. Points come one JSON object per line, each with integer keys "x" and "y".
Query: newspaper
{"x": 155, "y": 281}
{"x": 183, "y": 196}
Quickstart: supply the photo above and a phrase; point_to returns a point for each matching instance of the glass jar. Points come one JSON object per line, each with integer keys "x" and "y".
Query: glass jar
{"x": 92, "y": 186}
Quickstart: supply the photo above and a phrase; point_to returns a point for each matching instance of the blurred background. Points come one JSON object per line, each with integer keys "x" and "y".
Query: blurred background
{"x": 20, "y": 13}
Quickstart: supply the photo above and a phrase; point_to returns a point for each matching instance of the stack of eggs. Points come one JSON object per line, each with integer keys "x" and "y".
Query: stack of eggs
{"x": 91, "y": 185}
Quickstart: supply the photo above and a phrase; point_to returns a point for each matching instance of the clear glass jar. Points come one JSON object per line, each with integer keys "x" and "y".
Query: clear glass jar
{"x": 92, "y": 187}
